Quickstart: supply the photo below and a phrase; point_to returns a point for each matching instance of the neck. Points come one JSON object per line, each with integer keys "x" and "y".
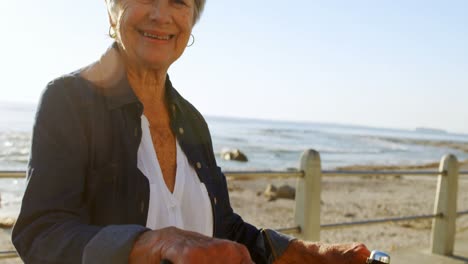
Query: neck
{"x": 148, "y": 85}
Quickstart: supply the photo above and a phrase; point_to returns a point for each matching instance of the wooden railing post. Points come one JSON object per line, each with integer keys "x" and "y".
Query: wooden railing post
{"x": 444, "y": 228}
{"x": 307, "y": 211}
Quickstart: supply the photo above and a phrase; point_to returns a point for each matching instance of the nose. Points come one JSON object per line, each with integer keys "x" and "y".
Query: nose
{"x": 160, "y": 12}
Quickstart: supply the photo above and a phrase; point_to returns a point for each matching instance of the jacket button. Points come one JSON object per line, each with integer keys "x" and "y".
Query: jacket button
{"x": 215, "y": 201}
{"x": 136, "y": 132}
{"x": 173, "y": 108}
{"x": 142, "y": 207}
{"x": 198, "y": 165}
{"x": 181, "y": 130}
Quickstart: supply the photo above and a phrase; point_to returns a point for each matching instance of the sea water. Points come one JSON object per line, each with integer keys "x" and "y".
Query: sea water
{"x": 269, "y": 145}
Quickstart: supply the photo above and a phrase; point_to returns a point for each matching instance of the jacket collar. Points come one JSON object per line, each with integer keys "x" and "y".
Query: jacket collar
{"x": 120, "y": 94}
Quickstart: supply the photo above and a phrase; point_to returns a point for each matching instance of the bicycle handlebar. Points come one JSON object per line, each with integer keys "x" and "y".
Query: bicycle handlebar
{"x": 376, "y": 257}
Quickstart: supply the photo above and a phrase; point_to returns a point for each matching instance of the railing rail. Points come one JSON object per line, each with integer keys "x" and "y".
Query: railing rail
{"x": 307, "y": 212}
{"x": 8, "y": 254}
{"x": 249, "y": 175}
{"x": 380, "y": 221}
{"x": 12, "y": 174}
{"x": 381, "y": 172}
{"x": 460, "y": 213}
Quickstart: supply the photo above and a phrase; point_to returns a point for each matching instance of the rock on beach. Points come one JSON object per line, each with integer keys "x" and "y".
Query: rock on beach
{"x": 284, "y": 191}
{"x": 234, "y": 154}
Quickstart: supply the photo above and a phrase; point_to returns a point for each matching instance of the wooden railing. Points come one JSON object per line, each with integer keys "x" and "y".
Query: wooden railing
{"x": 308, "y": 192}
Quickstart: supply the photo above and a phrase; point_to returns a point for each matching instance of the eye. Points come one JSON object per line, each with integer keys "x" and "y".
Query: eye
{"x": 145, "y": 2}
{"x": 180, "y": 2}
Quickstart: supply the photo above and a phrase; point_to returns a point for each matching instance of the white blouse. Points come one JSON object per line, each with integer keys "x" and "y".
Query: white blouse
{"x": 189, "y": 206}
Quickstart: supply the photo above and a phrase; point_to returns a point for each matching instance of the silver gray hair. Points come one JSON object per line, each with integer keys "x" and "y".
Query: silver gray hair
{"x": 199, "y": 6}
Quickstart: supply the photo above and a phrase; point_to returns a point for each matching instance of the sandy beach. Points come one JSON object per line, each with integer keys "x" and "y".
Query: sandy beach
{"x": 354, "y": 198}
{"x": 347, "y": 198}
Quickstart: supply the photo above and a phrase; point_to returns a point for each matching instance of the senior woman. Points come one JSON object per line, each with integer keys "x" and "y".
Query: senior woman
{"x": 122, "y": 167}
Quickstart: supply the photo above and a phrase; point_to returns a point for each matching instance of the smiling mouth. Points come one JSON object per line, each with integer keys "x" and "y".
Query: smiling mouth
{"x": 158, "y": 37}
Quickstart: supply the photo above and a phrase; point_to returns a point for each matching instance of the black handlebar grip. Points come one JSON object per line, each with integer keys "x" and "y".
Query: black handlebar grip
{"x": 373, "y": 261}
{"x": 165, "y": 261}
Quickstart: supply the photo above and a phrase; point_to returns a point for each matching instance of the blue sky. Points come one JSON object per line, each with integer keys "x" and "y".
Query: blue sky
{"x": 397, "y": 64}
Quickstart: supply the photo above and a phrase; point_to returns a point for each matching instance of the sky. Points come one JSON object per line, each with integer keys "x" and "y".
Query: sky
{"x": 386, "y": 63}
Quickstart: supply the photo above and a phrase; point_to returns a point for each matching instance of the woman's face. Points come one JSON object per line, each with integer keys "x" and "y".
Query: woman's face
{"x": 154, "y": 32}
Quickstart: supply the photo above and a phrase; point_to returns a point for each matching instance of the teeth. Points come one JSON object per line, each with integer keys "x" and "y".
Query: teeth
{"x": 155, "y": 36}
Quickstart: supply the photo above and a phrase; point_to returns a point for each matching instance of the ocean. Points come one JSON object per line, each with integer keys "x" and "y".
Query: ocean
{"x": 269, "y": 145}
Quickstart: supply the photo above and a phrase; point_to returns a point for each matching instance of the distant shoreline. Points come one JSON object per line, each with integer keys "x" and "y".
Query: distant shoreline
{"x": 31, "y": 107}
{"x": 458, "y": 145}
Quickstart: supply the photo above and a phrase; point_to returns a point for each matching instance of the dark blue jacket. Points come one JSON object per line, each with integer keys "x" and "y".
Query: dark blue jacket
{"x": 86, "y": 201}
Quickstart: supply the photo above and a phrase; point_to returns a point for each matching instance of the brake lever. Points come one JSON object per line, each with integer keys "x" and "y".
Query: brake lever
{"x": 378, "y": 257}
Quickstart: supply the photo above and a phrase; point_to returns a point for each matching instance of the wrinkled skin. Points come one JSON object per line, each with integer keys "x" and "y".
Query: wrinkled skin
{"x": 165, "y": 18}
{"x": 181, "y": 246}
{"x": 306, "y": 252}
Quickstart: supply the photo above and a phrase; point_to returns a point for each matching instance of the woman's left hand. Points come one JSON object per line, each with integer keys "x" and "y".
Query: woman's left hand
{"x": 300, "y": 251}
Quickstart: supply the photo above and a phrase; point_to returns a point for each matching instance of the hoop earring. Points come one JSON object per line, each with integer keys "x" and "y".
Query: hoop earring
{"x": 193, "y": 41}
{"x": 112, "y": 33}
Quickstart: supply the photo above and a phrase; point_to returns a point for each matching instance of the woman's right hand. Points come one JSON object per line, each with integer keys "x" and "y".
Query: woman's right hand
{"x": 300, "y": 251}
{"x": 180, "y": 246}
